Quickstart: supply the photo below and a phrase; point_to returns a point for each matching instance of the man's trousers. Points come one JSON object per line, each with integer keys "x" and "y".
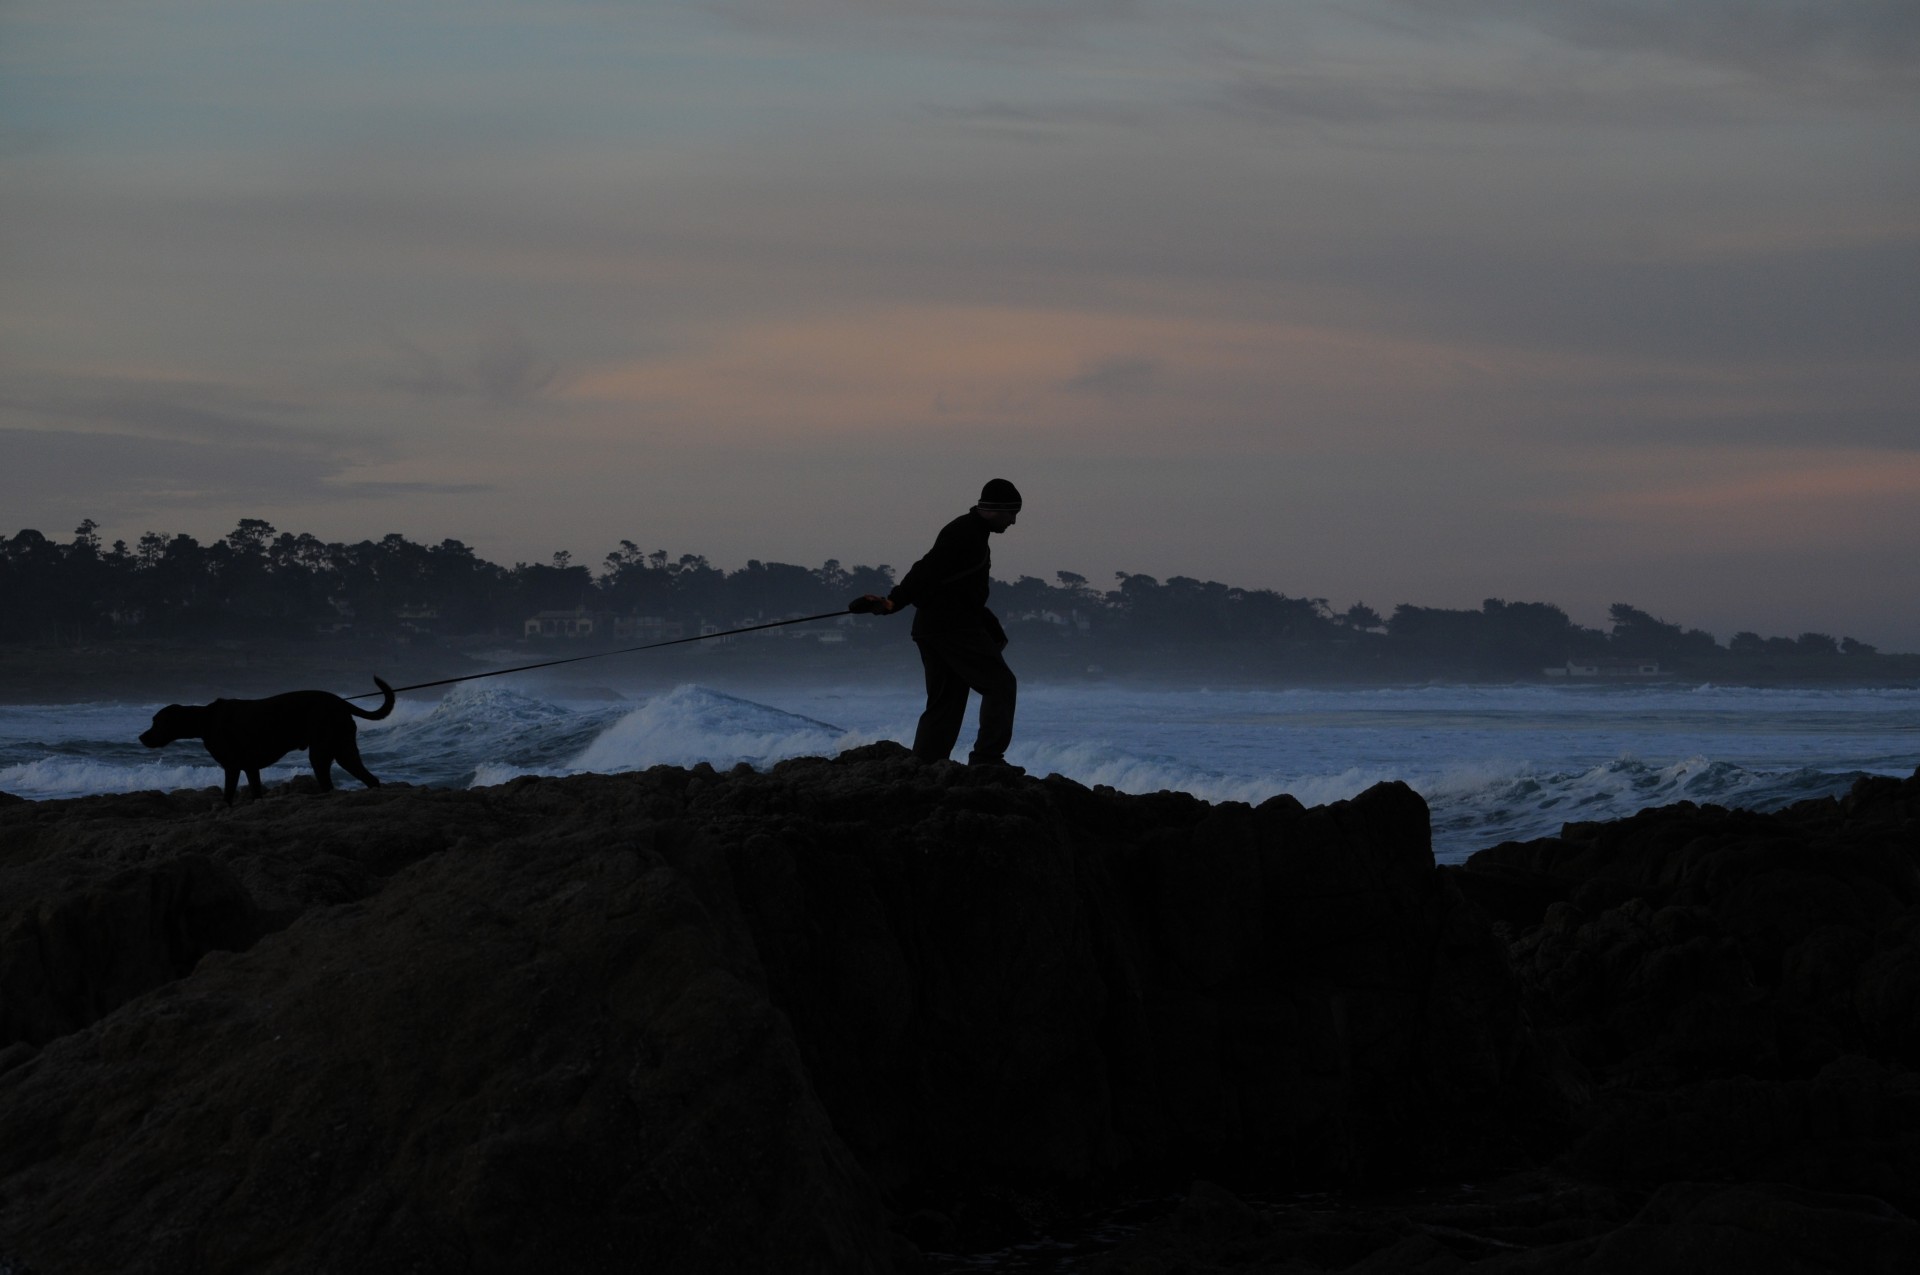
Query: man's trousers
{"x": 956, "y": 663}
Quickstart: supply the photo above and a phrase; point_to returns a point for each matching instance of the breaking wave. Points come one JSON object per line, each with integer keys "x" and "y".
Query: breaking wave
{"x": 58, "y": 778}
{"x": 1473, "y": 805}
{"x": 1493, "y": 763}
{"x": 685, "y": 726}
{"x": 1474, "y": 810}
{"x": 476, "y": 732}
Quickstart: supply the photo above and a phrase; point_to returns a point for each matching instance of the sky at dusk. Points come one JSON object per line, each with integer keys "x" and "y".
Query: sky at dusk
{"x": 1375, "y": 300}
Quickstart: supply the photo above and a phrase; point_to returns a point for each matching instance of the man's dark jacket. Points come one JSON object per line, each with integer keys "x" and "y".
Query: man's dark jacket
{"x": 948, "y": 587}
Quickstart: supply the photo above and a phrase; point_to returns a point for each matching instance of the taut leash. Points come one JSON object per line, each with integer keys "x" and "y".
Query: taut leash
{"x": 628, "y": 650}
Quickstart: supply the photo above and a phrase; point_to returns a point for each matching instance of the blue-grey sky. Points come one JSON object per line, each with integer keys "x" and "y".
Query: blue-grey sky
{"x": 1373, "y": 300}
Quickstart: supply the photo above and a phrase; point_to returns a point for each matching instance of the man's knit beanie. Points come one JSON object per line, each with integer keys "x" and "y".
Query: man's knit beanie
{"x": 1000, "y": 497}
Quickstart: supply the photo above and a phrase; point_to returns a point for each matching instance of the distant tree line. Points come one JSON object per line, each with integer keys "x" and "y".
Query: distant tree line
{"x": 258, "y": 582}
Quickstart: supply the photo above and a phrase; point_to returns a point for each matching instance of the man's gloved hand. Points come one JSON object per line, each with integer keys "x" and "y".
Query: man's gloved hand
{"x": 871, "y": 604}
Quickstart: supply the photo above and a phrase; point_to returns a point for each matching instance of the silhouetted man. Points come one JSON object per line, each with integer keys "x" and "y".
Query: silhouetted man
{"x": 960, "y": 640}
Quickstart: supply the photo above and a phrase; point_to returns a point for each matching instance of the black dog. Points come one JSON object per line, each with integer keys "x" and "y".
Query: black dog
{"x": 247, "y": 734}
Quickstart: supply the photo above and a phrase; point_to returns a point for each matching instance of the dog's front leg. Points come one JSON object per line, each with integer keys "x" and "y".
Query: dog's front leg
{"x": 233, "y": 782}
{"x": 253, "y": 782}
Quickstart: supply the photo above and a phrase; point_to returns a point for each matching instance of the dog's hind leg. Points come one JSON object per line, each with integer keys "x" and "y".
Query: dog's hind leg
{"x": 322, "y": 767}
{"x": 350, "y": 762}
{"x": 233, "y": 782}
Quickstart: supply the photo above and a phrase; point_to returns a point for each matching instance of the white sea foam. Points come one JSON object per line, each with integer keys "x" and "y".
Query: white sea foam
{"x": 1493, "y": 762}
{"x": 492, "y": 734}
{"x": 57, "y": 778}
{"x": 1105, "y": 763}
{"x": 483, "y": 707}
{"x": 693, "y": 724}
{"x": 489, "y": 773}
{"x": 1535, "y": 802}
{"x": 474, "y": 730}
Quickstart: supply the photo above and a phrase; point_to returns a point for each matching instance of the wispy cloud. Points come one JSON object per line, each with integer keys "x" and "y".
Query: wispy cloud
{"x": 1778, "y": 36}
{"x": 120, "y": 477}
{"x": 995, "y": 21}
{"x": 1042, "y": 120}
{"x": 174, "y": 409}
{"x": 1787, "y": 502}
{"x": 1883, "y": 426}
{"x": 1117, "y": 376}
{"x": 503, "y": 367}
{"x": 1529, "y": 98}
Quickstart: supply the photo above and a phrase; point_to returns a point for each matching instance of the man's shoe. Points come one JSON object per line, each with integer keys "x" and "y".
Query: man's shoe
{"x": 999, "y": 765}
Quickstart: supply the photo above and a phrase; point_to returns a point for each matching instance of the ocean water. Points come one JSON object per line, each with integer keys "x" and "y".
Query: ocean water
{"x": 1493, "y": 762}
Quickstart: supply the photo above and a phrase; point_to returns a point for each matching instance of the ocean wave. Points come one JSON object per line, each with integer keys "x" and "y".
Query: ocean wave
{"x": 1473, "y": 804}
{"x": 1472, "y": 811}
{"x": 489, "y": 773}
{"x": 59, "y": 778}
{"x": 1494, "y": 763}
{"x": 510, "y": 728}
{"x": 1102, "y": 763}
{"x": 1533, "y": 697}
{"x": 692, "y": 724}
{"x": 687, "y": 725}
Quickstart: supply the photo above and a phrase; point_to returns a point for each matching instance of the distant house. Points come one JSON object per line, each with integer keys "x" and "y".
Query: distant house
{"x": 1606, "y": 668}
{"x": 777, "y": 628}
{"x": 418, "y": 618}
{"x": 817, "y": 633}
{"x": 577, "y": 623}
{"x": 1069, "y": 621}
{"x": 647, "y": 628}
{"x": 342, "y": 621}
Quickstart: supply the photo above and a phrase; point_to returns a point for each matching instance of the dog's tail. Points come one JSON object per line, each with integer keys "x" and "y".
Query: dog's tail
{"x": 375, "y": 714}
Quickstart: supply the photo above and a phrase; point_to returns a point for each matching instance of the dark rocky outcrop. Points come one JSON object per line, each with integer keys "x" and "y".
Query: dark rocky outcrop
{"x": 1724, "y": 1005}
{"x": 812, "y": 1018}
{"x": 1532, "y": 1226}
{"x": 707, "y": 1022}
{"x": 1741, "y": 990}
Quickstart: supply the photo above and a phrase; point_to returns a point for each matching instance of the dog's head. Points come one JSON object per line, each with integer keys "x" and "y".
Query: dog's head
{"x": 175, "y": 721}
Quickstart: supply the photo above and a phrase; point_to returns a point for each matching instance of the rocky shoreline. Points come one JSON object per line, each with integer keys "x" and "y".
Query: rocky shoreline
{"x": 1727, "y": 1006}
{"x": 865, "y": 1014}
